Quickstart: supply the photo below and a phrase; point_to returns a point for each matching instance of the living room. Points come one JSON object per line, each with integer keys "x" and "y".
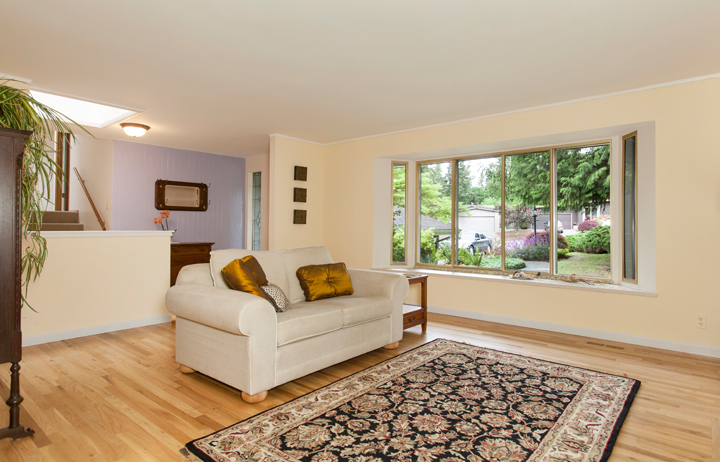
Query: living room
{"x": 364, "y": 89}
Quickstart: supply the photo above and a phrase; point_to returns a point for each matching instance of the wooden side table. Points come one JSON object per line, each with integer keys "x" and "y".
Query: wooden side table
{"x": 414, "y": 315}
{"x": 187, "y": 253}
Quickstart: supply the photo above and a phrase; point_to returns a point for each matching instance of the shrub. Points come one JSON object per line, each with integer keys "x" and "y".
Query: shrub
{"x": 443, "y": 253}
{"x": 562, "y": 243}
{"x": 576, "y": 242}
{"x": 427, "y": 247}
{"x": 563, "y": 253}
{"x": 510, "y": 263}
{"x": 531, "y": 240}
{"x": 514, "y": 263}
{"x": 467, "y": 258}
{"x": 399, "y": 244}
{"x": 597, "y": 240}
{"x": 587, "y": 225}
{"x": 537, "y": 252}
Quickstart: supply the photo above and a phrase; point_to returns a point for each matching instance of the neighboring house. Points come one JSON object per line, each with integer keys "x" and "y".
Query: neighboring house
{"x": 570, "y": 219}
{"x": 440, "y": 228}
{"x": 481, "y": 219}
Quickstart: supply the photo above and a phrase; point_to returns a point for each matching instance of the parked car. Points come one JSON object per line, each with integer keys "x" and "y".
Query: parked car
{"x": 560, "y": 226}
{"x": 480, "y": 244}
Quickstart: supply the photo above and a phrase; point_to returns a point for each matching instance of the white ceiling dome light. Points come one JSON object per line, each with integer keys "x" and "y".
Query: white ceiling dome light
{"x": 134, "y": 130}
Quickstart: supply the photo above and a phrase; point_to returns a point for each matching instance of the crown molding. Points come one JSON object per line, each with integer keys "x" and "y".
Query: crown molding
{"x": 278, "y": 135}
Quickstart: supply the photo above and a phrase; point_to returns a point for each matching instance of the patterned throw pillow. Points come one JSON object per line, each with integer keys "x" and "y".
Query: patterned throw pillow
{"x": 276, "y": 293}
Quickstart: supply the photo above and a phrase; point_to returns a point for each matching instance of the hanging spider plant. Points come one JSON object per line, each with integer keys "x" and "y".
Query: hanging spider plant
{"x": 19, "y": 110}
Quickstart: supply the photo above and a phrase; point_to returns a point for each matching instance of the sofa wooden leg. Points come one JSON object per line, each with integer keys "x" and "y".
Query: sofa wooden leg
{"x": 256, "y": 398}
{"x": 392, "y": 346}
{"x": 186, "y": 370}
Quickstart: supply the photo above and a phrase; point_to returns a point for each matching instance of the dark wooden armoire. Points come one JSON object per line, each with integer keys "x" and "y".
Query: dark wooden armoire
{"x": 12, "y": 143}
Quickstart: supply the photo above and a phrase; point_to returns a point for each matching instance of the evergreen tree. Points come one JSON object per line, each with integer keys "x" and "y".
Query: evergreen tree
{"x": 527, "y": 180}
{"x": 583, "y": 177}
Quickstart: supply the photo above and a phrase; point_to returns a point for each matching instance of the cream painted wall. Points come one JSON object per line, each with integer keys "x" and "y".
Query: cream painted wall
{"x": 285, "y": 154}
{"x": 96, "y": 281}
{"x": 252, "y": 165}
{"x": 687, "y": 198}
{"x": 93, "y": 158}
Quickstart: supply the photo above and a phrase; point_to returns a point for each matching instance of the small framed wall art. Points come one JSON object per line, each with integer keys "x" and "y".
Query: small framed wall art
{"x": 300, "y": 195}
{"x": 300, "y": 217}
{"x": 300, "y": 173}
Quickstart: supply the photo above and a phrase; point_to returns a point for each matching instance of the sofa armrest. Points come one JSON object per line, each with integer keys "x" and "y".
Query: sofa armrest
{"x": 367, "y": 282}
{"x": 392, "y": 285}
{"x": 228, "y": 310}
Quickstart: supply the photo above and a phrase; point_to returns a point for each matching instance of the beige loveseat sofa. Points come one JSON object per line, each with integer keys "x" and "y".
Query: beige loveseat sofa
{"x": 239, "y": 339}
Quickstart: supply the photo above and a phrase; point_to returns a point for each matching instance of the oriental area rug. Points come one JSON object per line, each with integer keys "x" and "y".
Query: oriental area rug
{"x": 443, "y": 401}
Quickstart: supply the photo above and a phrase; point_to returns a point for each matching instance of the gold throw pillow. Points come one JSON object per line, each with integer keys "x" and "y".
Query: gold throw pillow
{"x": 324, "y": 281}
{"x": 256, "y": 269}
{"x": 240, "y": 277}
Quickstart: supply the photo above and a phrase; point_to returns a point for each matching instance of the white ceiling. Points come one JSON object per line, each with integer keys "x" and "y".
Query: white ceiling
{"x": 220, "y": 76}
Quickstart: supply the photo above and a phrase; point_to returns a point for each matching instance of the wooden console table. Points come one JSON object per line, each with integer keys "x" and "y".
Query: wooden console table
{"x": 414, "y": 315}
{"x": 187, "y": 253}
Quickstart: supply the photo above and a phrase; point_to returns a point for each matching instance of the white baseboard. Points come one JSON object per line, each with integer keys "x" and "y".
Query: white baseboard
{"x": 94, "y": 330}
{"x": 582, "y": 331}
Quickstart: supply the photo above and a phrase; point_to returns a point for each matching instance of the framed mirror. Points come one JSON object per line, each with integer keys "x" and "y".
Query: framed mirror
{"x": 181, "y": 195}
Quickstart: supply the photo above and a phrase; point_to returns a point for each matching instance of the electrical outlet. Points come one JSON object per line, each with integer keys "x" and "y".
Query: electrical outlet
{"x": 700, "y": 321}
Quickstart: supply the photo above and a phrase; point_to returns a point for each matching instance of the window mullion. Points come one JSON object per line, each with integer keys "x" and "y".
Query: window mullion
{"x": 502, "y": 213}
{"x": 552, "y": 213}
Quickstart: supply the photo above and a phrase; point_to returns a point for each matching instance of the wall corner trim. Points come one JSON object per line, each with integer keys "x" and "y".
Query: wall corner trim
{"x": 691, "y": 348}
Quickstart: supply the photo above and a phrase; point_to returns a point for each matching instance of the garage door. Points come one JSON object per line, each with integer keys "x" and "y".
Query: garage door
{"x": 472, "y": 225}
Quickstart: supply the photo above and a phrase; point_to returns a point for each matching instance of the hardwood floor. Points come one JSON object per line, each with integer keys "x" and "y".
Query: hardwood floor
{"x": 121, "y": 397}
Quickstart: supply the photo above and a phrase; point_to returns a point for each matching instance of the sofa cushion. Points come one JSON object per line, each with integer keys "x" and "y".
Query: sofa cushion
{"x": 357, "y": 310}
{"x": 294, "y": 259}
{"x": 310, "y": 319}
{"x": 271, "y": 262}
{"x": 306, "y": 321}
{"x": 324, "y": 281}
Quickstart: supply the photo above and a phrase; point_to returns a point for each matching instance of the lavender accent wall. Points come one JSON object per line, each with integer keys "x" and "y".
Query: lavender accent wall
{"x": 137, "y": 166}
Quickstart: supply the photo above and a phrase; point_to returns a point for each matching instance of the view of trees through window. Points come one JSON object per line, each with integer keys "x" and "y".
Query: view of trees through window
{"x": 435, "y": 205}
{"x": 478, "y": 206}
{"x": 399, "y": 198}
{"x": 583, "y": 184}
{"x": 580, "y": 180}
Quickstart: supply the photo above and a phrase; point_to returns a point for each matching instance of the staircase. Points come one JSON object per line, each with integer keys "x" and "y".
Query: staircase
{"x": 62, "y": 221}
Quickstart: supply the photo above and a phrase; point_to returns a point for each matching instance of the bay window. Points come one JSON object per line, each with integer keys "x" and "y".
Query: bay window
{"x": 542, "y": 211}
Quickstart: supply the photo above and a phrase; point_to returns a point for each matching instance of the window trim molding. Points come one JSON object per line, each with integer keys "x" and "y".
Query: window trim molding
{"x": 637, "y": 210}
{"x": 551, "y": 150}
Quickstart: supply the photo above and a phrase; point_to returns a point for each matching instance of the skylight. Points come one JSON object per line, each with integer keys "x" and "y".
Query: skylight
{"x": 84, "y": 113}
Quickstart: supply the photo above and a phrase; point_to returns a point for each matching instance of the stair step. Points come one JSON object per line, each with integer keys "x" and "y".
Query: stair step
{"x": 51, "y": 216}
{"x": 62, "y": 227}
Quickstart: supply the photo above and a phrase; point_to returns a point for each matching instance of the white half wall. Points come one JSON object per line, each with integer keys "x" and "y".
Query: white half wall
{"x": 96, "y": 282}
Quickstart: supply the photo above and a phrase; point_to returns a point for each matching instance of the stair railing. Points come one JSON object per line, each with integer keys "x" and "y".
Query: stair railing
{"x": 87, "y": 193}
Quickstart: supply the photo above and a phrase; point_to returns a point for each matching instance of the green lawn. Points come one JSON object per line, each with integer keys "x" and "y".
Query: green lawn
{"x": 585, "y": 264}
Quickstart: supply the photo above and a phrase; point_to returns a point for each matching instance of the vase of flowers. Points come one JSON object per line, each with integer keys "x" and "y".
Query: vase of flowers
{"x": 163, "y": 216}
{"x": 163, "y": 222}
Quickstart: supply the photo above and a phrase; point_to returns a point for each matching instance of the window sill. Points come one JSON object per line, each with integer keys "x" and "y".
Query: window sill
{"x": 549, "y": 283}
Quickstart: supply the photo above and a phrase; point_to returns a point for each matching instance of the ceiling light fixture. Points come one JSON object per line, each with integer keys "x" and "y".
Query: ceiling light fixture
{"x": 135, "y": 130}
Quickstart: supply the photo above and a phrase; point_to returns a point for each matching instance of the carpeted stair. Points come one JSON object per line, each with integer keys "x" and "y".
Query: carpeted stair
{"x": 62, "y": 221}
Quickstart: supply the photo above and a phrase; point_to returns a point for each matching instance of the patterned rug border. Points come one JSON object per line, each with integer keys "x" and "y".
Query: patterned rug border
{"x": 193, "y": 454}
